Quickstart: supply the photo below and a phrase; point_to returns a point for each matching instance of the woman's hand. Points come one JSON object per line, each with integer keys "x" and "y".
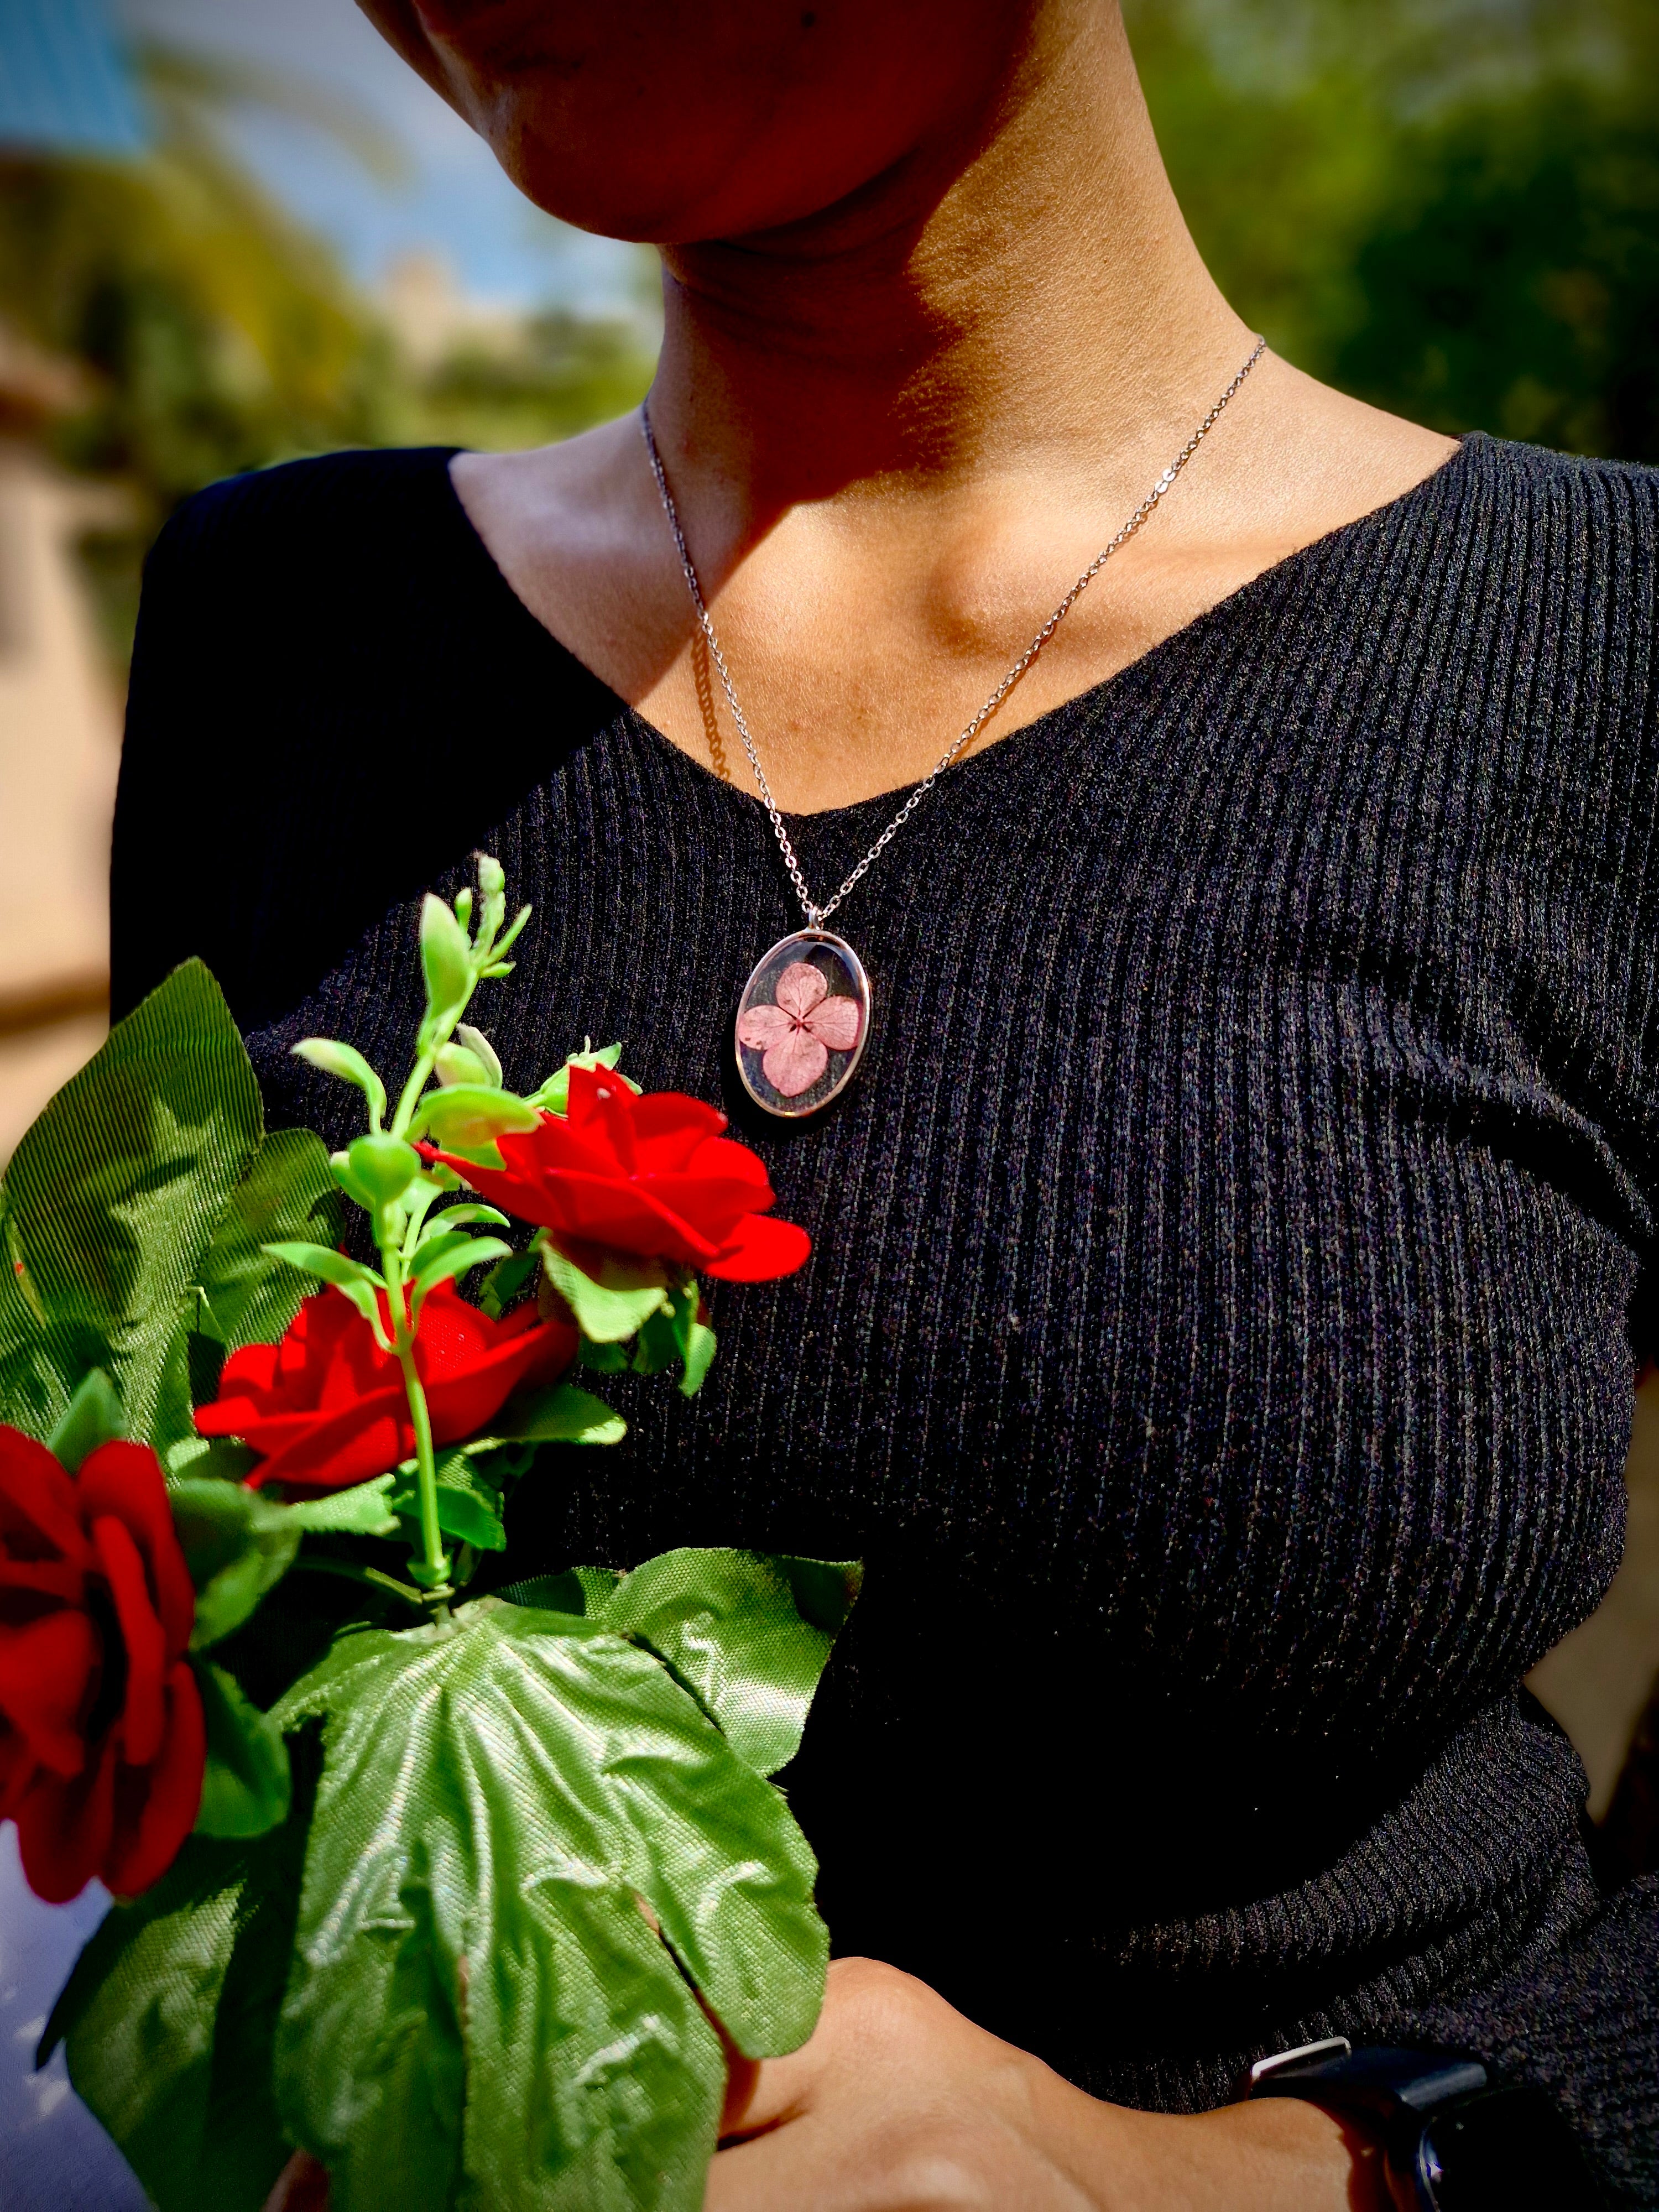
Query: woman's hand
{"x": 900, "y": 2105}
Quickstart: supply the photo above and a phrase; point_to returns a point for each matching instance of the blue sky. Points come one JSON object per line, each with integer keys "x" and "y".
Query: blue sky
{"x": 455, "y": 200}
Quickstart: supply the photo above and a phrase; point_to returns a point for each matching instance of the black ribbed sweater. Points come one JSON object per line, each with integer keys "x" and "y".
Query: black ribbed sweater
{"x": 1217, "y": 1341}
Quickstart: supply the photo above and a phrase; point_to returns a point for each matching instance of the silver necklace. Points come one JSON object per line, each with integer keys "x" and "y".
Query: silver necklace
{"x": 805, "y": 1013}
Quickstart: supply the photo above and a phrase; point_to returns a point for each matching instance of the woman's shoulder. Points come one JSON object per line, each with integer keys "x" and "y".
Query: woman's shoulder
{"x": 301, "y": 520}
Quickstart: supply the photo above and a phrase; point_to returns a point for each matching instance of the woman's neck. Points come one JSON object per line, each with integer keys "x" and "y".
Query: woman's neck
{"x": 896, "y": 431}
{"x": 1020, "y": 297}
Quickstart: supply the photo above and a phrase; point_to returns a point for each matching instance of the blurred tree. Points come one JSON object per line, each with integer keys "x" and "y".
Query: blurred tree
{"x": 213, "y": 334}
{"x": 1449, "y": 206}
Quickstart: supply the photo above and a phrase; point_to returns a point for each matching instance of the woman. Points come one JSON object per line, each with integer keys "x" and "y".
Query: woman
{"x": 1219, "y": 1340}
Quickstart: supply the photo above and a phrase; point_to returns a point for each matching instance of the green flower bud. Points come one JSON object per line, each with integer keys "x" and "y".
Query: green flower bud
{"x": 446, "y": 956}
{"x": 492, "y": 876}
{"x": 456, "y": 1064}
{"x": 385, "y": 1166}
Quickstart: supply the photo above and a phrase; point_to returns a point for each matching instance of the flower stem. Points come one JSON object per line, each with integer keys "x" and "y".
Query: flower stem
{"x": 433, "y": 1573}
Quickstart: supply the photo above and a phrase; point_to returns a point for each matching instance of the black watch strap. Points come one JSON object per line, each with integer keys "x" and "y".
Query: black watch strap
{"x": 1457, "y": 2137}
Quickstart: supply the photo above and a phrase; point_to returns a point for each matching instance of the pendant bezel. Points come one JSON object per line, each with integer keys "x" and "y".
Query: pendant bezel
{"x": 802, "y": 943}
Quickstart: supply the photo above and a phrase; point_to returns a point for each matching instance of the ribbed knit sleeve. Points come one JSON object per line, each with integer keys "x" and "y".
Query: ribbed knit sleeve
{"x": 1229, "y": 1262}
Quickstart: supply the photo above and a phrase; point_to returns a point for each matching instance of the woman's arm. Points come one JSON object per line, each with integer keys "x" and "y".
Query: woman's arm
{"x": 900, "y": 2105}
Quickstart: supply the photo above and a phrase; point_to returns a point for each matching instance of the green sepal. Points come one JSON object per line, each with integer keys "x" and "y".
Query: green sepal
{"x": 616, "y": 1303}
{"x": 246, "y": 1785}
{"x": 92, "y": 1417}
{"x": 171, "y": 2009}
{"x": 748, "y": 1634}
{"x": 559, "y": 1413}
{"x": 236, "y": 1544}
{"x": 603, "y": 1358}
{"x": 349, "y": 1064}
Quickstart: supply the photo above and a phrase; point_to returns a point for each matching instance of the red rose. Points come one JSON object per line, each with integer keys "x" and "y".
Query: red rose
{"x": 650, "y": 1176}
{"x": 102, "y": 1740}
{"x": 327, "y": 1407}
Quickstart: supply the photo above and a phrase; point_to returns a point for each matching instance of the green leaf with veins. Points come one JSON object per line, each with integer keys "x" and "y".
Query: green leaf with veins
{"x": 113, "y": 1200}
{"x": 245, "y": 1787}
{"x": 477, "y": 2003}
{"x": 749, "y": 1634}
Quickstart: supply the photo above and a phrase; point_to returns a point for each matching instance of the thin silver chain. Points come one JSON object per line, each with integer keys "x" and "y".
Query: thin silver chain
{"x": 818, "y": 915}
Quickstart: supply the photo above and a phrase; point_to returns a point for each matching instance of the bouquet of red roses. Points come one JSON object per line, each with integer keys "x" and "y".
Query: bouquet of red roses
{"x": 456, "y": 1896}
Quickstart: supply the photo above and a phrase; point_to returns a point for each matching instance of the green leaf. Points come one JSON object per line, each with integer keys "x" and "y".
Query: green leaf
{"x": 560, "y": 1413}
{"x": 446, "y": 957}
{"x": 170, "y": 2012}
{"x": 468, "y": 1504}
{"x": 614, "y": 1305}
{"x": 748, "y": 1633}
{"x": 92, "y": 1417}
{"x": 456, "y": 1217}
{"x": 449, "y": 1257}
{"x": 113, "y": 1199}
{"x": 361, "y": 1510}
{"x": 347, "y": 1062}
{"x": 246, "y": 1788}
{"x": 507, "y": 1280}
{"x": 478, "y": 2004}
{"x": 237, "y": 1545}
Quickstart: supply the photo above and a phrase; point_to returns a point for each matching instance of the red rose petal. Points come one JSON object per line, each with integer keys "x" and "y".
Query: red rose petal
{"x": 64, "y": 1829}
{"x": 141, "y": 1634}
{"x": 47, "y": 1669}
{"x": 39, "y": 1515}
{"x": 126, "y": 1480}
{"x": 155, "y": 1809}
{"x": 762, "y": 1249}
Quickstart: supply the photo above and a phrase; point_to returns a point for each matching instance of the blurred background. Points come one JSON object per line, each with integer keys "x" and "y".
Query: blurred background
{"x": 233, "y": 233}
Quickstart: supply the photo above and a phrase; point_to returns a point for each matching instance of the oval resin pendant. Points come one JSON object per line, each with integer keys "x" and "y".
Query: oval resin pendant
{"x": 802, "y": 1021}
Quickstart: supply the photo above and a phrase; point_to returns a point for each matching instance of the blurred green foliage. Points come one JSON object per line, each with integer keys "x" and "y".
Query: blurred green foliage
{"x": 1449, "y": 207}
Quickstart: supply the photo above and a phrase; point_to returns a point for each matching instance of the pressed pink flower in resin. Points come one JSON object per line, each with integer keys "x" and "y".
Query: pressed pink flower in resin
{"x": 797, "y": 1034}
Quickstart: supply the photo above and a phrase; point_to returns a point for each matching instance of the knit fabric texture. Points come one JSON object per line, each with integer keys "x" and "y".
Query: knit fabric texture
{"x": 1230, "y": 1263}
